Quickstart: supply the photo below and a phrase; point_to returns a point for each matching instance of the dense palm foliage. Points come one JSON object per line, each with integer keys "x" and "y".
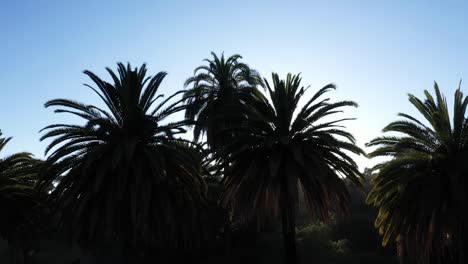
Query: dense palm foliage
{"x": 283, "y": 150}
{"x": 18, "y": 175}
{"x": 124, "y": 174}
{"x": 422, "y": 191}
{"x": 218, "y": 89}
{"x": 218, "y": 95}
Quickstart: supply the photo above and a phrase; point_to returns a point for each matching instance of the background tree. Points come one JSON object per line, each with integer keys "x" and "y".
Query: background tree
{"x": 124, "y": 175}
{"x": 218, "y": 89}
{"x": 218, "y": 95}
{"x": 284, "y": 150}
{"x": 18, "y": 175}
{"x": 421, "y": 192}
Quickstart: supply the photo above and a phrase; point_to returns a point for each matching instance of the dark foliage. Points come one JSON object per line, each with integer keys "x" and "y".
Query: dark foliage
{"x": 281, "y": 149}
{"x": 124, "y": 175}
{"x": 422, "y": 191}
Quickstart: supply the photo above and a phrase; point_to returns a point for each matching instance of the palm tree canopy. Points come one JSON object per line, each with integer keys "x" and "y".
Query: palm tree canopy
{"x": 218, "y": 89}
{"x": 18, "y": 175}
{"x": 124, "y": 174}
{"x": 284, "y": 149}
{"x": 421, "y": 192}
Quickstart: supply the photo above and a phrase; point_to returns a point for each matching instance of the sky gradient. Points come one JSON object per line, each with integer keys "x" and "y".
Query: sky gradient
{"x": 375, "y": 52}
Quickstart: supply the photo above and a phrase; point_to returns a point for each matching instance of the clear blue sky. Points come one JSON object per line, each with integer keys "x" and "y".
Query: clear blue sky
{"x": 375, "y": 52}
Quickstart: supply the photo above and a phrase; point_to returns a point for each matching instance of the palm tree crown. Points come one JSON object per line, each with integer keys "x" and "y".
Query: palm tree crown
{"x": 18, "y": 175}
{"x": 218, "y": 90}
{"x": 124, "y": 174}
{"x": 421, "y": 192}
{"x": 283, "y": 150}
{"x": 19, "y": 205}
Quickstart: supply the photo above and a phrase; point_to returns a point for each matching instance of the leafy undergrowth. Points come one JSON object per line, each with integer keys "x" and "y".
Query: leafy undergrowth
{"x": 315, "y": 244}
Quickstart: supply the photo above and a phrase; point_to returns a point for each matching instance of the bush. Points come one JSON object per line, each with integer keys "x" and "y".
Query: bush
{"x": 314, "y": 245}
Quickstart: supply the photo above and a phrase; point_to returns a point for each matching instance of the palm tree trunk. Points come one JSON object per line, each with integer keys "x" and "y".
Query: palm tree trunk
{"x": 228, "y": 234}
{"x": 402, "y": 250}
{"x": 128, "y": 252}
{"x": 289, "y": 234}
{"x": 253, "y": 231}
{"x": 227, "y": 224}
{"x": 15, "y": 249}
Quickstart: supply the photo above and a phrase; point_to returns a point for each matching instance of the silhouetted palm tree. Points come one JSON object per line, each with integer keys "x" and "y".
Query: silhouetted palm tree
{"x": 422, "y": 191}
{"x": 18, "y": 175}
{"x": 124, "y": 174}
{"x": 218, "y": 90}
{"x": 218, "y": 96}
{"x": 284, "y": 150}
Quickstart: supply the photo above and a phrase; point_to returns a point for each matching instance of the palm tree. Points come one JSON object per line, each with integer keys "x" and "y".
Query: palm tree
{"x": 123, "y": 174}
{"x": 283, "y": 150}
{"x": 218, "y": 90}
{"x": 219, "y": 93}
{"x": 18, "y": 174}
{"x": 421, "y": 191}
